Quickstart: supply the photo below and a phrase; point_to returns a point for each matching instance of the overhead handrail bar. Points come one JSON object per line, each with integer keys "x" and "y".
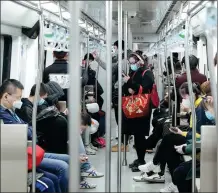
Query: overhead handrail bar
{"x": 60, "y": 12}
{"x": 181, "y": 23}
{"x": 120, "y": 30}
{"x": 28, "y": 6}
{"x": 67, "y": 27}
{"x": 109, "y": 94}
{"x": 74, "y": 104}
{"x": 35, "y": 104}
{"x": 124, "y": 162}
{"x": 193, "y": 114}
{"x": 195, "y": 7}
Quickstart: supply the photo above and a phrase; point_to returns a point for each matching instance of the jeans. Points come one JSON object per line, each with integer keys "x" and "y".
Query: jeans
{"x": 84, "y": 166}
{"x": 49, "y": 183}
{"x": 53, "y": 178}
{"x": 57, "y": 164}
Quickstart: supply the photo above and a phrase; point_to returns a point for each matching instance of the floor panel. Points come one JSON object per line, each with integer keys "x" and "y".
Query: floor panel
{"x": 128, "y": 184}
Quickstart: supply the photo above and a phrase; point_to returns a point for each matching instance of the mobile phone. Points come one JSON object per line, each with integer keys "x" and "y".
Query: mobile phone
{"x": 174, "y": 129}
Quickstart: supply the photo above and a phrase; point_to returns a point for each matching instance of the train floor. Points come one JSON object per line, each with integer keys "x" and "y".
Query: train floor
{"x": 128, "y": 184}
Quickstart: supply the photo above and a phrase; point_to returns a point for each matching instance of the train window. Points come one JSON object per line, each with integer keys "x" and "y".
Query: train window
{"x": 6, "y": 44}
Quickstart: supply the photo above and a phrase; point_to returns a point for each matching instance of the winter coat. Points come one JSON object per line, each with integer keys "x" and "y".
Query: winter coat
{"x": 138, "y": 125}
{"x": 51, "y": 125}
{"x": 10, "y": 117}
{"x": 58, "y": 67}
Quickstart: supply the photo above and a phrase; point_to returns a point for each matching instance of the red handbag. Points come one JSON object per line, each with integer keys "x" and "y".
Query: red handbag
{"x": 154, "y": 94}
{"x": 39, "y": 156}
{"x": 136, "y": 106}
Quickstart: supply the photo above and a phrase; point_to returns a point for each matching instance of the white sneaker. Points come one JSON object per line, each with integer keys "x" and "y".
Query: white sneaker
{"x": 155, "y": 178}
{"x": 93, "y": 147}
{"x": 148, "y": 167}
{"x": 169, "y": 188}
{"x": 87, "y": 185}
{"x": 90, "y": 151}
{"x": 92, "y": 173}
{"x": 140, "y": 178}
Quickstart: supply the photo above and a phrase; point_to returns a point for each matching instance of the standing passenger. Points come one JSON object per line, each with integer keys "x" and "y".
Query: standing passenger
{"x": 139, "y": 127}
{"x": 60, "y": 66}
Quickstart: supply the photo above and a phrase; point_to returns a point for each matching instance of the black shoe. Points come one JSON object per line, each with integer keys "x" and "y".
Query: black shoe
{"x": 135, "y": 167}
{"x": 134, "y": 163}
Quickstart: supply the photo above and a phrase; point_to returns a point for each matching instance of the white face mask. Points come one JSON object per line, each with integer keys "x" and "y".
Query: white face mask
{"x": 17, "y": 104}
{"x": 186, "y": 103}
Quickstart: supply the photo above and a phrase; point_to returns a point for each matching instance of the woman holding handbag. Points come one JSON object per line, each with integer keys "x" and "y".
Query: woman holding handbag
{"x": 137, "y": 106}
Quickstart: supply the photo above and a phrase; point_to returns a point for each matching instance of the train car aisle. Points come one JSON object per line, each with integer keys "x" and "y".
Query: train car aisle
{"x": 128, "y": 184}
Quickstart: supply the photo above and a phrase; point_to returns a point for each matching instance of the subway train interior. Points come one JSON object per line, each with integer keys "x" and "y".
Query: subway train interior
{"x": 108, "y": 96}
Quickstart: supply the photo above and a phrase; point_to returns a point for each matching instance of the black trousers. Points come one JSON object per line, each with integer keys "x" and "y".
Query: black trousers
{"x": 166, "y": 152}
{"x": 140, "y": 147}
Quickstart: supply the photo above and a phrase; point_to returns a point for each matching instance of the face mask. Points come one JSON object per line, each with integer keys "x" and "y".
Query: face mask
{"x": 41, "y": 101}
{"x": 186, "y": 103}
{"x": 17, "y": 104}
{"x": 134, "y": 67}
{"x": 209, "y": 115}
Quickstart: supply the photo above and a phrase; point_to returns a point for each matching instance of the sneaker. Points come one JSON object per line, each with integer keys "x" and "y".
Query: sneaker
{"x": 136, "y": 167}
{"x": 90, "y": 151}
{"x": 140, "y": 178}
{"x": 169, "y": 188}
{"x": 155, "y": 178}
{"x": 147, "y": 167}
{"x": 92, "y": 173}
{"x": 87, "y": 185}
{"x": 93, "y": 147}
{"x": 115, "y": 148}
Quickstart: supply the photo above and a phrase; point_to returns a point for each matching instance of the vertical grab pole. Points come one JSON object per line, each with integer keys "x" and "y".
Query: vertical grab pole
{"x": 109, "y": 87}
{"x": 124, "y": 163}
{"x": 74, "y": 104}
{"x": 168, "y": 78}
{"x": 120, "y": 32}
{"x": 174, "y": 88}
{"x": 210, "y": 58}
{"x": 190, "y": 88}
{"x": 86, "y": 133}
{"x": 38, "y": 79}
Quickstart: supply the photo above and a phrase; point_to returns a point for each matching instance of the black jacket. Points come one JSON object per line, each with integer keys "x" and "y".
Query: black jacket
{"x": 58, "y": 67}
{"x": 138, "y": 79}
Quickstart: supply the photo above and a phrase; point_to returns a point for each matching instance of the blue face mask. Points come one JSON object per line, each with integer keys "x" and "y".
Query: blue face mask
{"x": 134, "y": 67}
{"x": 209, "y": 115}
{"x": 41, "y": 101}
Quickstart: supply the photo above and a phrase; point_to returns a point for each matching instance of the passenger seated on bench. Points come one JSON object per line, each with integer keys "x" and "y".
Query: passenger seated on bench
{"x": 182, "y": 175}
{"x": 58, "y": 164}
{"x": 55, "y": 141}
{"x": 166, "y": 152}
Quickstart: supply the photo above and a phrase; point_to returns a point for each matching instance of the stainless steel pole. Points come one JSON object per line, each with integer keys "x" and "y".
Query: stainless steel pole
{"x": 109, "y": 93}
{"x": 74, "y": 97}
{"x": 120, "y": 32}
{"x": 124, "y": 163}
{"x": 168, "y": 78}
{"x": 190, "y": 88}
{"x": 174, "y": 88}
{"x": 210, "y": 58}
{"x": 38, "y": 80}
